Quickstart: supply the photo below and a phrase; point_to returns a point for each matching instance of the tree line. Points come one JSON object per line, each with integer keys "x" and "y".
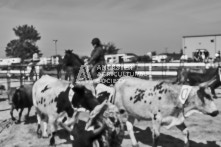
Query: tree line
{"x": 25, "y": 45}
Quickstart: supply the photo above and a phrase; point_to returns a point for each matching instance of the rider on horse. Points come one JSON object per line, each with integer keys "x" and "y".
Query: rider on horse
{"x": 97, "y": 58}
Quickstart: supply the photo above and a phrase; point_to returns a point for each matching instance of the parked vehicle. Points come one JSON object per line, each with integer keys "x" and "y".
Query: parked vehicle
{"x": 160, "y": 58}
{"x": 121, "y": 58}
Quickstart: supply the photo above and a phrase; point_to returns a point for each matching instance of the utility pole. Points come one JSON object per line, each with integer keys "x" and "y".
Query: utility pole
{"x": 55, "y": 45}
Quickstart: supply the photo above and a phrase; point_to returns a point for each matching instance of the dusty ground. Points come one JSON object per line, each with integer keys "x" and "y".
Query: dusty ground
{"x": 205, "y": 131}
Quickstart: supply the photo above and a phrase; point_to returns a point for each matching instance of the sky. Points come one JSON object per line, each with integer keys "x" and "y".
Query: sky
{"x": 134, "y": 26}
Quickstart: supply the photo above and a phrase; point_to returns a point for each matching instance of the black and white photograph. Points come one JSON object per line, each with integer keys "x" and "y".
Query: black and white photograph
{"x": 110, "y": 73}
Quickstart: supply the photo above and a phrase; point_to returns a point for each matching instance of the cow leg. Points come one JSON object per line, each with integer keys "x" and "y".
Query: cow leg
{"x": 11, "y": 113}
{"x": 213, "y": 92}
{"x": 73, "y": 122}
{"x": 52, "y": 140}
{"x": 20, "y": 113}
{"x": 185, "y": 131}
{"x": 39, "y": 125}
{"x": 53, "y": 129}
{"x": 27, "y": 115}
{"x": 45, "y": 134}
{"x": 71, "y": 136}
{"x": 131, "y": 133}
{"x": 156, "y": 132}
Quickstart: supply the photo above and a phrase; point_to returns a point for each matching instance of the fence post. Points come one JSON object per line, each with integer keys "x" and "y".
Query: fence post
{"x": 21, "y": 76}
{"x": 8, "y": 75}
{"x": 150, "y": 71}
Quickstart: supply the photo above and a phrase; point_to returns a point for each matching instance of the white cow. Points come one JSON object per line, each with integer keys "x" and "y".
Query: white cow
{"x": 166, "y": 104}
{"x": 55, "y": 101}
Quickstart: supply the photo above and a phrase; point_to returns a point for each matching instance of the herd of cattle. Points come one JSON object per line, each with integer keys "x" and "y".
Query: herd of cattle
{"x": 58, "y": 102}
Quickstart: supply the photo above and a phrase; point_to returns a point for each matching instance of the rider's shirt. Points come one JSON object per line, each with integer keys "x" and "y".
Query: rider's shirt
{"x": 97, "y": 56}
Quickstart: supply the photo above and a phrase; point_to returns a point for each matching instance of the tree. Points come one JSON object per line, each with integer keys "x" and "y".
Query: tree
{"x": 144, "y": 59}
{"x": 110, "y": 48}
{"x": 25, "y": 46}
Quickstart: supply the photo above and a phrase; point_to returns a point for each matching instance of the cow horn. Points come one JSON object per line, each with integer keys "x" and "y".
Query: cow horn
{"x": 207, "y": 83}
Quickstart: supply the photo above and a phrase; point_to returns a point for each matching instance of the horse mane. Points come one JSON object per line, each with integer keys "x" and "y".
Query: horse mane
{"x": 77, "y": 57}
{"x": 73, "y": 57}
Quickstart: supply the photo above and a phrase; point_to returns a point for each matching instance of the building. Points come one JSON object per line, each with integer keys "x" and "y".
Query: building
{"x": 121, "y": 58}
{"x": 211, "y": 43}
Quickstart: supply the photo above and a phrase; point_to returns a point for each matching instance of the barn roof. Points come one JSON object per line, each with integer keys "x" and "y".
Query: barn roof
{"x": 202, "y": 35}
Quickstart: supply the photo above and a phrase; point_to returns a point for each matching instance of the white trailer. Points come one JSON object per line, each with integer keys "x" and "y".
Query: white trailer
{"x": 9, "y": 61}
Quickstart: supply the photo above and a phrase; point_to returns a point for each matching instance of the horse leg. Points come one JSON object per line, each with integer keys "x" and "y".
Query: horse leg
{"x": 59, "y": 73}
{"x": 66, "y": 74}
{"x": 75, "y": 76}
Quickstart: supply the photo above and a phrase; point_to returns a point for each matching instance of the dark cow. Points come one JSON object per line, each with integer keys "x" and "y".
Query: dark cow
{"x": 166, "y": 104}
{"x": 20, "y": 98}
{"x": 56, "y": 102}
{"x": 2, "y": 88}
{"x": 193, "y": 78}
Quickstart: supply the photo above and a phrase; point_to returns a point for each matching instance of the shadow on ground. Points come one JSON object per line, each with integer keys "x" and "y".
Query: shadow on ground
{"x": 30, "y": 120}
{"x": 3, "y": 99}
{"x": 4, "y": 109}
{"x": 145, "y": 137}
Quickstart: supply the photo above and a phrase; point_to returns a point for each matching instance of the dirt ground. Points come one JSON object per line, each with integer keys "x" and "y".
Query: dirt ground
{"x": 205, "y": 131}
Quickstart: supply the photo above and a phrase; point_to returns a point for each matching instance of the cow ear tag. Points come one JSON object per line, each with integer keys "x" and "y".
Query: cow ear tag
{"x": 184, "y": 93}
{"x": 219, "y": 69}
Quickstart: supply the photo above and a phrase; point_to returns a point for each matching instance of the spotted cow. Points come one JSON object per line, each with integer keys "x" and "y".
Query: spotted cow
{"x": 55, "y": 102}
{"x": 103, "y": 93}
{"x": 164, "y": 103}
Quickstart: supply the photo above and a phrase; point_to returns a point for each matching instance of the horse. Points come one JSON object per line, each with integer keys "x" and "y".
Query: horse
{"x": 71, "y": 65}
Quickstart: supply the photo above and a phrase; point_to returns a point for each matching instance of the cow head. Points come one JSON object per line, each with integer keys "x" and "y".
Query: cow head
{"x": 201, "y": 100}
{"x": 83, "y": 97}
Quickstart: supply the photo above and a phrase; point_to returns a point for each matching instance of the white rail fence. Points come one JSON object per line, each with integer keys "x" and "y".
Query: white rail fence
{"x": 160, "y": 69}
{"x": 142, "y": 69}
